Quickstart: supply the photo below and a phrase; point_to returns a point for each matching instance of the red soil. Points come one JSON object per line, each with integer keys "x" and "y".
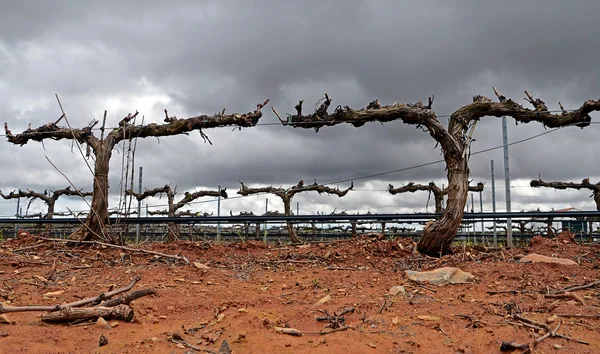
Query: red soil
{"x": 248, "y": 289}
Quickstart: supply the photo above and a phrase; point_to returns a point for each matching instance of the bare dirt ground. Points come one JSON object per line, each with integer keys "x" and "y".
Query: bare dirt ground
{"x": 248, "y": 290}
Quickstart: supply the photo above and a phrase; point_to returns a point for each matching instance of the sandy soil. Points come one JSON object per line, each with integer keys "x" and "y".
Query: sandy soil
{"x": 248, "y": 289}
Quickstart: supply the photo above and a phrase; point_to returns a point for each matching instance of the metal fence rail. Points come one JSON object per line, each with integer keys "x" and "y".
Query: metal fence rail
{"x": 253, "y": 219}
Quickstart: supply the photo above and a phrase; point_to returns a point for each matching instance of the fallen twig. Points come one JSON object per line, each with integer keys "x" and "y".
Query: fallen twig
{"x": 290, "y": 331}
{"x": 89, "y": 300}
{"x": 342, "y": 268}
{"x": 579, "y": 287}
{"x": 27, "y": 248}
{"x": 566, "y": 296}
{"x": 181, "y": 258}
{"x": 577, "y": 315}
{"x": 423, "y": 286}
{"x": 191, "y": 346}
{"x": 545, "y": 327}
{"x": 127, "y": 298}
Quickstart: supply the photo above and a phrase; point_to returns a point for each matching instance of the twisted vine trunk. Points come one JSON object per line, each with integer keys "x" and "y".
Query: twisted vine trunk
{"x": 438, "y": 235}
{"x": 172, "y": 228}
{"x": 290, "y": 226}
{"x": 96, "y": 224}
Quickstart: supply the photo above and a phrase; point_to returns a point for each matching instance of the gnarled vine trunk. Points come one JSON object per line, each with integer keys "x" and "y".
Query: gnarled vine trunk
{"x": 438, "y": 235}
{"x": 287, "y": 210}
{"x": 97, "y": 222}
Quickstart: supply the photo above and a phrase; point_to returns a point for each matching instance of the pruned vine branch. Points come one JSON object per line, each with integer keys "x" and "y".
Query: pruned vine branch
{"x": 438, "y": 193}
{"x": 286, "y": 195}
{"x": 174, "y": 206}
{"x": 49, "y": 198}
{"x": 585, "y": 184}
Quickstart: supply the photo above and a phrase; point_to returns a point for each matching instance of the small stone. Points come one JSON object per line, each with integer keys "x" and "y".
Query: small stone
{"x": 103, "y": 340}
{"x": 163, "y": 317}
{"x": 288, "y": 344}
{"x": 180, "y": 346}
{"x": 114, "y": 324}
{"x": 170, "y": 308}
{"x": 101, "y": 323}
{"x": 242, "y": 310}
{"x": 395, "y": 290}
{"x": 557, "y": 346}
{"x": 551, "y": 319}
{"x": 371, "y": 345}
{"x": 154, "y": 339}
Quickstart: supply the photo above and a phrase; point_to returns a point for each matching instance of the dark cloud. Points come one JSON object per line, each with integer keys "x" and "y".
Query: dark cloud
{"x": 197, "y": 58}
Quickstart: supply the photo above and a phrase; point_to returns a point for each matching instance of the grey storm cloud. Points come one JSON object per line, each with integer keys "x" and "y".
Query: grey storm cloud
{"x": 200, "y": 57}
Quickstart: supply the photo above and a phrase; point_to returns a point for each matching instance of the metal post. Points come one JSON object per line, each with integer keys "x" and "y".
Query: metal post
{"x": 472, "y": 211}
{"x": 219, "y": 214}
{"x": 481, "y": 211}
{"x": 17, "y": 214}
{"x": 494, "y": 204}
{"x": 139, "y": 208}
{"x": 509, "y": 240}
{"x": 266, "y": 211}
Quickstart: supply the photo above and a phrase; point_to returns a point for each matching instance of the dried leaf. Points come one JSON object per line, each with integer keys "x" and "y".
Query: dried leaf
{"x": 323, "y": 300}
{"x": 54, "y": 293}
{"x": 428, "y": 318}
{"x": 201, "y": 265}
{"x": 41, "y": 278}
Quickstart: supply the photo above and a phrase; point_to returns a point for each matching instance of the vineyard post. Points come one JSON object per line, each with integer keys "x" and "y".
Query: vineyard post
{"x": 17, "y": 214}
{"x": 219, "y": 214}
{"x": 139, "y": 209}
{"x": 494, "y": 204}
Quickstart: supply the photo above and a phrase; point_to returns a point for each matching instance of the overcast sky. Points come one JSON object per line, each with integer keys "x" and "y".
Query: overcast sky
{"x": 197, "y": 57}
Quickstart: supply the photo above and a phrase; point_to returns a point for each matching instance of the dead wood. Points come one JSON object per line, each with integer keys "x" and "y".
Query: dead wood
{"x": 287, "y": 194}
{"x": 191, "y": 346}
{"x": 578, "y": 315}
{"x": 549, "y": 331}
{"x": 119, "y": 312}
{"x": 290, "y": 331}
{"x": 127, "y": 298}
{"x": 579, "y": 287}
{"x": 566, "y": 296}
{"x": 125, "y": 248}
{"x": 173, "y": 206}
{"x": 102, "y": 148}
{"x": 86, "y": 301}
{"x": 455, "y": 141}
